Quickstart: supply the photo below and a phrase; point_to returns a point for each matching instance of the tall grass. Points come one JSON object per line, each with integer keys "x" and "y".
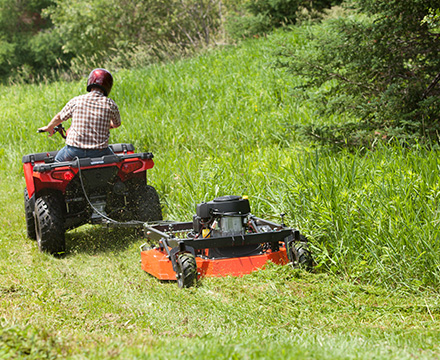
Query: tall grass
{"x": 370, "y": 215}
{"x": 218, "y": 124}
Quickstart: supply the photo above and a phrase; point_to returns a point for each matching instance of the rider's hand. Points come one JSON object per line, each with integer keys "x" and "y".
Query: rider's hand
{"x": 46, "y": 129}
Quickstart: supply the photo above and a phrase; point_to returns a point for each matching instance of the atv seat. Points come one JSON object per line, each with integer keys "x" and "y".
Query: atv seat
{"x": 118, "y": 148}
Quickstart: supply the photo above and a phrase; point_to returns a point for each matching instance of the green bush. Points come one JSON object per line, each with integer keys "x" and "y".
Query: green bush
{"x": 94, "y": 32}
{"x": 28, "y": 50}
{"x": 44, "y": 37}
{"x": 262, "y": 16}
{"x": 379, "y": 64}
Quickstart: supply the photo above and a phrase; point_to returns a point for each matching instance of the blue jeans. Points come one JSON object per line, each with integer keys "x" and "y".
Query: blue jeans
{"x": 68, "y": 153}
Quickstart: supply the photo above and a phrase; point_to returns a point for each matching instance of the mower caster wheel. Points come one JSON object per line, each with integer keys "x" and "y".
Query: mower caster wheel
{"x": 29, "y": 214}
{"x": 300, "y": 256}
{"x": 49, "y": 224}
{"x": 305, "y": 259}
{"x": 187, "y": 270}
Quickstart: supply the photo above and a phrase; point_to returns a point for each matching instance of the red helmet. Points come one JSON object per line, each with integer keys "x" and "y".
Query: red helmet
{"x": 102, "y": 79}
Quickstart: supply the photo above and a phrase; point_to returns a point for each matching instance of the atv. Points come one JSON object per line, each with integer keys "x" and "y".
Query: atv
{"x": 64, "y": 195}
{"x": 224, "y": 239}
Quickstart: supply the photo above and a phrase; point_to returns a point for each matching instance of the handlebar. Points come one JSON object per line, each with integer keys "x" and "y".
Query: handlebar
{"x": 59, "y": 129}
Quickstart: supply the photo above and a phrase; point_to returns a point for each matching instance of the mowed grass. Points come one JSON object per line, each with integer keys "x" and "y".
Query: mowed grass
{"x": 219, "y": 124}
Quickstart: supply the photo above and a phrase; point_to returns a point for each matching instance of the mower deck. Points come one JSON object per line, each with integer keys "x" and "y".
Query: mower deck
{"x": 224, "y": 239}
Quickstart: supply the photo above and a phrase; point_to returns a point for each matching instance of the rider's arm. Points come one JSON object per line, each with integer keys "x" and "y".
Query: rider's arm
{"x": 115, "y": 119}
{"x": 54, "y": 122}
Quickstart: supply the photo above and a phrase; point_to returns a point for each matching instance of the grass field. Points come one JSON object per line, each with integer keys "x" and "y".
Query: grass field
{"x": 219, "y": 124}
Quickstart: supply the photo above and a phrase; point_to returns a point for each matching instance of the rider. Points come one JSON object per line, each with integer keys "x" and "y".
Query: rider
{"x": 93, "y": 115}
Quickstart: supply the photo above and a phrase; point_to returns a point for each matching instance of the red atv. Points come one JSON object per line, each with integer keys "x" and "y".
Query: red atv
{"x": 64, "y": 195}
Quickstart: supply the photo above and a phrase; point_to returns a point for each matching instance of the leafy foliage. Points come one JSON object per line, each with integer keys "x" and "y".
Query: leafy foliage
{"x": 92, "y": 32}
{"x": 262, "y": 16}
{"x": 40, "y": 37}
{"x": 382, "y": 67}
{"x": 27, "y": 48}
{"x": 433, "y": 20}
{"x": 57, "y": 35}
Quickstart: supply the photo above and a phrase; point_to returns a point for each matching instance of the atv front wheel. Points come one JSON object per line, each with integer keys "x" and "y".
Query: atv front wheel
{"x": 29, "y": 215}
{"x": 49, "y": 224}
{"x": 187, "y": 270}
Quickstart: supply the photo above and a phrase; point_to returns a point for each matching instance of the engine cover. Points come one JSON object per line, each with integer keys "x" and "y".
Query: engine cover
{"x": 224, "y": 205}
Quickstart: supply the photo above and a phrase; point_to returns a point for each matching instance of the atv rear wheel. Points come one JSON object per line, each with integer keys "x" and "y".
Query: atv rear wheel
{"x": 29, "y": 215}
{"x": 187, "y": 270}
{"x": 145, "y": 204}
{"x": 49, "y": 224}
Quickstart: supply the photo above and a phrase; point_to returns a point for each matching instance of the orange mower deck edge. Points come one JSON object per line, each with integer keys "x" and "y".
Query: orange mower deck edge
{"x": 156, "y": 262}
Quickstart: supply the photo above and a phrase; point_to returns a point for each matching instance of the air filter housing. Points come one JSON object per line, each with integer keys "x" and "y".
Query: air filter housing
{"x": 224, "y": 205}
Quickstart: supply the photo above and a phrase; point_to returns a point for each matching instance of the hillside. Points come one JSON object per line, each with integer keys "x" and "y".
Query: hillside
{"x": 220, "y": 124}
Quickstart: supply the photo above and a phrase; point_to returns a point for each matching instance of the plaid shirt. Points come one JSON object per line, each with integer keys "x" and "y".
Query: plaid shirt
{"x": 91, "y": 115}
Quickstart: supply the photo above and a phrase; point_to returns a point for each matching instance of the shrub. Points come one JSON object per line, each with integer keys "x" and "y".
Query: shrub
{"x": 27, "y": 49}
{"x": 262, "y": 16}
{"x": 96, "y": 31}
{"x": 380, "y": 65}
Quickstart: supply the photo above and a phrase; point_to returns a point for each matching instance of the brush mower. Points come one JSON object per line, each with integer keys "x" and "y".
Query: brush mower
{"x": 224, "y": 239}
{"x": 64, "y": 195}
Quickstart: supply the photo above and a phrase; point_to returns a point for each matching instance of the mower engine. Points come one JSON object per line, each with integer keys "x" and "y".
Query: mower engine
{"x": 223, "y": 216}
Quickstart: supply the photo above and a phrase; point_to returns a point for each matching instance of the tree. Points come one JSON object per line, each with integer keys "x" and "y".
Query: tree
{"x": 98, "y": 30}
{"x": 255, "y": 17}
{"x": 384, "y": 67}
{"x": 27, "y": 46}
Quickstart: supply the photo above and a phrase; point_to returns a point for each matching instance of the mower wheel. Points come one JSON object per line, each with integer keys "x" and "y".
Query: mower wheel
{"x": 49, "y": 224}
{"x": 29, "y": 215}
{"x": 305, "y": 259}
{"x": 187, "y": 273}
{"x": 146, "y": 204}
{"x": 299, "y": 255}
